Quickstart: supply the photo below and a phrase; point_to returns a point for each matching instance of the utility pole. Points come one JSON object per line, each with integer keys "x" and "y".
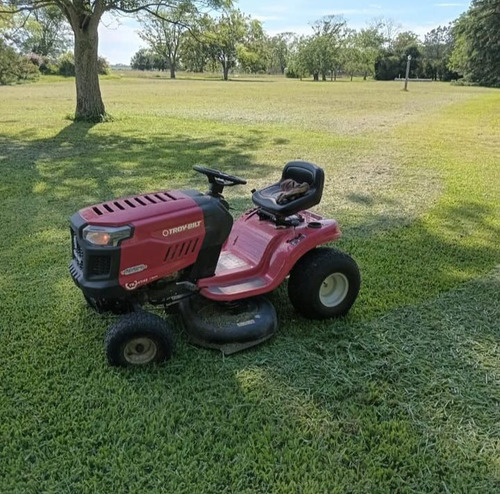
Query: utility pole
{"x": 407, "y": 72}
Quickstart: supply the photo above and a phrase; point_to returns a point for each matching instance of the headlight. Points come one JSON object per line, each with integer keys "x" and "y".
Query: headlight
{"x": 106, "y": 235}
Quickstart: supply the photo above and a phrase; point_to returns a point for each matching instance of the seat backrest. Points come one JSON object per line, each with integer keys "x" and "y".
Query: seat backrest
{"x": 303, "y": 171}
{"x": 300, "y": 171}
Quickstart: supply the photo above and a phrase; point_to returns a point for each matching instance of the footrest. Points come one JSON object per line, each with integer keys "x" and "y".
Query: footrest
{"x": 234, "y": 289}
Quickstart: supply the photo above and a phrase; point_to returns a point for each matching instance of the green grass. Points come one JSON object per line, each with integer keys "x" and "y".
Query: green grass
{"x": 401, "y": 396}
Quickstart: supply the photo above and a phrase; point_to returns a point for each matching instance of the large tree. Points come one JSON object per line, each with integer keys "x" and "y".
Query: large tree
{"x": 84, "y": 17}
{"x": 476, "y": 54}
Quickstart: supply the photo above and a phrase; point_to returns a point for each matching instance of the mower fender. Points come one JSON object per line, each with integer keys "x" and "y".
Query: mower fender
{"x": 258, "y": 256}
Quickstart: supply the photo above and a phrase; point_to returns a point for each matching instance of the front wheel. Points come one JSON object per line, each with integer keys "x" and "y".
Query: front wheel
{"x": 324, "y": 284}
{"x": 138, "y": 339}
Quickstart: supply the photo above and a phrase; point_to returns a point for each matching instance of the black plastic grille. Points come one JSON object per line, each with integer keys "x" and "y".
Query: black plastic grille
{"x": 77, "y": 250}
{"x": 99, "y": 265}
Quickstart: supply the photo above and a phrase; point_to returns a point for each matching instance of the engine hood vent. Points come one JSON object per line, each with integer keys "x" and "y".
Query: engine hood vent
{"x": 131, "y": 203}
{"x": 126, "y": 210}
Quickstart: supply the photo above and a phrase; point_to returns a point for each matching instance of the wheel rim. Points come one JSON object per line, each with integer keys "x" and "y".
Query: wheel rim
{"x": 140, "y": 351}
{"x": 333, "y": 289}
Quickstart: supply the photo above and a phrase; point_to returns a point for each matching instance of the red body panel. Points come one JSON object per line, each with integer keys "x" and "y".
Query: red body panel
{"x": 168, "y": 234}
{"x": 259, "y": 255}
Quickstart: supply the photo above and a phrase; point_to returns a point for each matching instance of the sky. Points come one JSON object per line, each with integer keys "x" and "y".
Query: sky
{"x": 118, "y": 39}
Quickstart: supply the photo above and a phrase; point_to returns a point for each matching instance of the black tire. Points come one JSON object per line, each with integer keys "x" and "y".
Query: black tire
{"x": 324, "y": 283}
{"x": 138, "y": 339}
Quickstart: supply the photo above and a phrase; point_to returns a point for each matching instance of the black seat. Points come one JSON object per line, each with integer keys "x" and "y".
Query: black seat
{"x": 300, "y": 171}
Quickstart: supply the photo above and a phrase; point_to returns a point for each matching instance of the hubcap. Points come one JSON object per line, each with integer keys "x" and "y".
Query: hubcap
{"x": 140, "y": 351}
{"x": 333, "y": 289}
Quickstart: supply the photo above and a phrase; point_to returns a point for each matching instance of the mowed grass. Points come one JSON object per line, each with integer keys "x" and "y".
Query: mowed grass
{"x": 401, "y": 396}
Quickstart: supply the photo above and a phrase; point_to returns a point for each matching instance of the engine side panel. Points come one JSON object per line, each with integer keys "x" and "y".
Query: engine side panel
{"x": 161, "y": 246}
{"x": 168, "y": 233}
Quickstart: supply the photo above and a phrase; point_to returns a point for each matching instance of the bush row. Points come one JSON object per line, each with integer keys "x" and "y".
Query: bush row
{"x": 16, "y": 68}
{"x": 64, "y": 65}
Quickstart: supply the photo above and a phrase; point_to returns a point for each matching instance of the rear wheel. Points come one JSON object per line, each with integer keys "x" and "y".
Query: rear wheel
{"x": 138, "y": 339}
{"x": 324, "y": 283}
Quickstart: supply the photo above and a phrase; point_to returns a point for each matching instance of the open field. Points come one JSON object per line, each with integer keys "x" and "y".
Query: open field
{"x": 401, "y": 396}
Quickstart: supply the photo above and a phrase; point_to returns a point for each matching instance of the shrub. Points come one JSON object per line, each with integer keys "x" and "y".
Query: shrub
{"x": 66, "y": 65}
{"x": 44, "y": 64}
{"x": 103, "y": 66}
{"x": 14, "y": 67}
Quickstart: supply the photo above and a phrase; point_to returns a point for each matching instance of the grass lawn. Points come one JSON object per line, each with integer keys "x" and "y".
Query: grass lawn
{"x": 401, "y": 396}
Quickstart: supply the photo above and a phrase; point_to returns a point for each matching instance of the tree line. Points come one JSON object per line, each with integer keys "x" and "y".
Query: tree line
{"x": 235, "y": 41}
{"x": 182, "y": 34}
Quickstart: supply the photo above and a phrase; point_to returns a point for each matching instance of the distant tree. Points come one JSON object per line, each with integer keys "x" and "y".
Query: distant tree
{"x": 66, "y": 65}
{"x": 296, "y": 68}
{"x": 391, "y": 61}
{"x": 436, "y": 51}
{"x": 331, "y": 31}
{"x": 279, "y": 52}
{"x": 351, "y": 55}
{"x": 194, "y": 49}
{"x": 319, "y": 54}
{"x": 253, "y": 52}
{"x": 388, "y": 28}
{"x": 143, "y": 59}
{"x": 476, "y": 54}
{"x": 223, "y": 36}
{"x": 164, "y": 34}
{"x": 369, "y": 43}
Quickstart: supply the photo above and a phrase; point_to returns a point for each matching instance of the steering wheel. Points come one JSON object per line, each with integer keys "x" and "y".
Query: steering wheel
{"x": 219, "y": 178}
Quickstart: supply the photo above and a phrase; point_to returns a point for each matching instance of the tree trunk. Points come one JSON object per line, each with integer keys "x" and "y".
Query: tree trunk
{"x": 225, "y": 70}
{"x": 316, "y": 76}
{"x": 172, "y": 71}
{"x": 89, "y": 104}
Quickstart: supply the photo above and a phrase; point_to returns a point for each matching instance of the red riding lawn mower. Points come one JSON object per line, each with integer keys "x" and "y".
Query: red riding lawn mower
{"x": 180, "y": 249}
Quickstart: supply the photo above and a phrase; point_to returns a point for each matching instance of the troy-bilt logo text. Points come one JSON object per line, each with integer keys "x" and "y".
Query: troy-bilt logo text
{"x": 179, "y": 229}
{"x": 135, "y": 284}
